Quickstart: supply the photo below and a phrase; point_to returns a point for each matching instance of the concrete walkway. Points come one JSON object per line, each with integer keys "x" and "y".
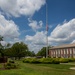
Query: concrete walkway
{"x": 73, "y": 68}
{"x": 68, "y": 63}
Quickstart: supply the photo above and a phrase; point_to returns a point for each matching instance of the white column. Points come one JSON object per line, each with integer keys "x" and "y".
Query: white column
{"x": 70, "y": 52}
{"x": 74, "y": 52}
{"x": 56, "y": 54}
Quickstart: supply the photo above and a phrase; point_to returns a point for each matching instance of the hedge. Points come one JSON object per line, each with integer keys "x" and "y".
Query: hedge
{"x": 42, "y": 60}
{"x": 48, "y": 60}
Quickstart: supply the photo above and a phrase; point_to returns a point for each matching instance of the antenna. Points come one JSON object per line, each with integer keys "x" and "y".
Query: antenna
{"x": 46, "y": 31}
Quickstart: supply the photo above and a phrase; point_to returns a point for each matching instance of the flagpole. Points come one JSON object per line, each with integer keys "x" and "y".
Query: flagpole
{"x": 46, "y": 31}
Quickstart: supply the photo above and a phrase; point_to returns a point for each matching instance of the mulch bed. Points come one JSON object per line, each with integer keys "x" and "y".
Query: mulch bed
{"x": 2, "y": 69}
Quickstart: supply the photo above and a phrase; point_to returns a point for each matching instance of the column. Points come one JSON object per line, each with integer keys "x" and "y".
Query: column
{"x": 55, "y": 53}
{"x": 65, "y": 53}
{"x": 60, "y": 53}
{"x": 68, "y": 52}
{"x": 72, "y": 52}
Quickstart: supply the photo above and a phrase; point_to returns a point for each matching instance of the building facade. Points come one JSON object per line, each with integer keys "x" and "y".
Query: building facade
{"x": 63, "y": 51}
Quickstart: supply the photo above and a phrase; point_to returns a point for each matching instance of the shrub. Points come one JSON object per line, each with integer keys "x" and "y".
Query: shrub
{"x": 42, "y": 60}
{"x": 11, "y": 65}
{"x": 56, "y": 61}
{"x": 50, "y": 61}
{"x": 27, "y": 60}
{"x": 31, "y": 60}
{"x": 63, "y": 60}
{"x": 34, "y": 60}
{"x": 11, "y": 61}
{"x": 46, "y": 60}
{"x": 71, "y": 59}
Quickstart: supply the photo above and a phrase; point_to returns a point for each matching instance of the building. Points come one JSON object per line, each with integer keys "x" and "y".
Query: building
{"x": 63, "y": 51}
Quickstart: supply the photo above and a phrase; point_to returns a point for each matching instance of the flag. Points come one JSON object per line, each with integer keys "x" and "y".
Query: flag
{"x": 47, "y": 27}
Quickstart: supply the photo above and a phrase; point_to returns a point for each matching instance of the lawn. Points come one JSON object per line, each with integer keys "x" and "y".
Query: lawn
{"x": 40, "y": 69}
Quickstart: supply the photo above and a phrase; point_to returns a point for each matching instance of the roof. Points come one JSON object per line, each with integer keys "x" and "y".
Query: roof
{"x": 64, "y": 46}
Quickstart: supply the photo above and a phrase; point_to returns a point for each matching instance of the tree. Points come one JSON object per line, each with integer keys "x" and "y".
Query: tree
{"x": 1, "y": 38}
{"x": 19, "y": 50}
{"x": 42, "y": 52}
{"x": 1, "y": 47}
{"x": 30, "y": 53}
{"x": 7, "y": 50}
{"x": 2, "y": 58}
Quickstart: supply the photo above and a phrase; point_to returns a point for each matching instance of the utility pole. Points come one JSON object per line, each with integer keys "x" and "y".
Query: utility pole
{"x": 46, "y": 31}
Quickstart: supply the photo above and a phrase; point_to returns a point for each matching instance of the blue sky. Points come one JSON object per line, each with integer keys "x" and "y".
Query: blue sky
{"x": 25, "y": 20}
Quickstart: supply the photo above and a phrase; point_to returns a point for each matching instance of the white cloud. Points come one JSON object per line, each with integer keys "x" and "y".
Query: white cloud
{"x": 37, "y": 41}
{"x": 64, "y": 33}
{"x": 35, "y": 48}
{"x": 8, "y": 29}
{"x": 35, "y": 25}
{"x": 38, "y": 38}
{"x": 21, "y": 7}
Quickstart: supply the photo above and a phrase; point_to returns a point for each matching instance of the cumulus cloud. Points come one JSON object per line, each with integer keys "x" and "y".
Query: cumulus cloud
{"x": 35, "y": 48}
{"x": 8, "y": 28}
{"x": 64, "y": 33}
{"x": 38, "y": 38}
{"x": 35, "y": 25}
{"x": 37, "y": 41}
{"x": 21, "y": 7}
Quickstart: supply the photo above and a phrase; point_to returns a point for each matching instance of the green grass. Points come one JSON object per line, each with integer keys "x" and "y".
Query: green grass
{"x": 40, "y": 69}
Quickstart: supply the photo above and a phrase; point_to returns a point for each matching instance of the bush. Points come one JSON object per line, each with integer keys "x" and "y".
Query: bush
{"x": 27, "y": 60}
{"x": 49, "y": 61}
{"x": 34, "y": 60}
{"x": 11, "y": 61}
{"x": 71, "y": 59}
{"x": 56, "y": 61}
{"x": 46, "y": 60}
{"x": 64, "y": 60}
{"x": 11, "y": 65}
{"x": 31, "y": 60}
{"x": 42, "y": 60}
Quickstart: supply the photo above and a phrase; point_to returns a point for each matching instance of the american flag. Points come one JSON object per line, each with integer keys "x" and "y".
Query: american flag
{"x": 47, "y": 27}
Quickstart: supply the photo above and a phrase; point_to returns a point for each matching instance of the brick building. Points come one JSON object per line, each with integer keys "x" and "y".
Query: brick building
{"x": 63, "y": 51}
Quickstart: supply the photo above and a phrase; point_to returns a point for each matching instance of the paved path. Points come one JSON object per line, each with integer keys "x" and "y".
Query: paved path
{"x": 68, "y": 63}
{"x": 73, "y": 68}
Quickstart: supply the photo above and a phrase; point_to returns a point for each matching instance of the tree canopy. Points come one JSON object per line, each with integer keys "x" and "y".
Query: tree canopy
{"x": 19, "y": 49}
{"x": 42, "y": 52}
{"x": 1, "y": 47}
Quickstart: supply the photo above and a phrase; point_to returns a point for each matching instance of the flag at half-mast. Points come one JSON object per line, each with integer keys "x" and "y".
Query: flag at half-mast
{"x": 47, "y": 27}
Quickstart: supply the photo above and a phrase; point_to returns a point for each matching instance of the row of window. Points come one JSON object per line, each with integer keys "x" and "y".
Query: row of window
{"x": 63, "y": 52}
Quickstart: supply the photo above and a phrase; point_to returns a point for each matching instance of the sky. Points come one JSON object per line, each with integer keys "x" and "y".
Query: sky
{"x": 25, "y": 21}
